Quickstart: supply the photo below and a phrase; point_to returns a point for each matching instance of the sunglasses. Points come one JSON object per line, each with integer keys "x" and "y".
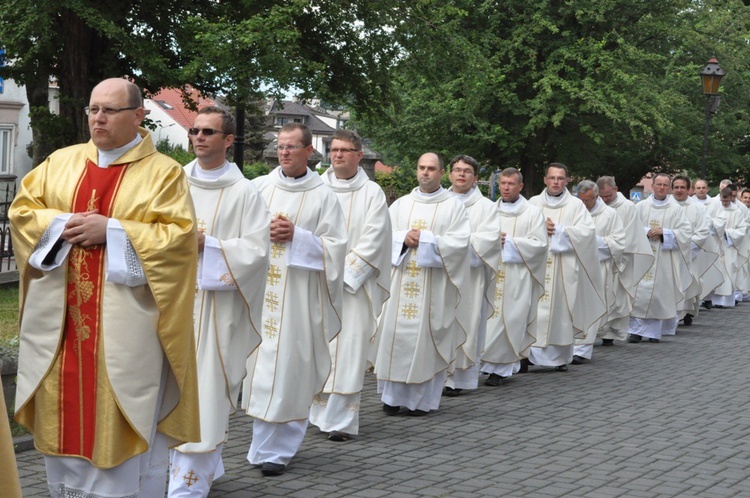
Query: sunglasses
{"x": 206, "y": 131}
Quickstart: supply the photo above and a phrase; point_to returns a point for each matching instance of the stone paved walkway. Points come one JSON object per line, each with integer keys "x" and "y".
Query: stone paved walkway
{"x": 641, "y": 420}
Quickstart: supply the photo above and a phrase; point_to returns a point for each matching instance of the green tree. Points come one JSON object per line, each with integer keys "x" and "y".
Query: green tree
{"x": 607, "y": 86}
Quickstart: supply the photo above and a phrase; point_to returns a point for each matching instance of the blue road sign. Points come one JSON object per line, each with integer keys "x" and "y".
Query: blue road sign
{"x": 635, "y": 196}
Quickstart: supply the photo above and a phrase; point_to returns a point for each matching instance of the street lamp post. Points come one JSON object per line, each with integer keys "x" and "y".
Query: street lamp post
{"x": 711, "y": 78}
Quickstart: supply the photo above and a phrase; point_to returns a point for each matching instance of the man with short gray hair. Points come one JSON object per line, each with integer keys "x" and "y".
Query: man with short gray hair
{"x": 638, "y": 258}
{"x": 611, "y": 245}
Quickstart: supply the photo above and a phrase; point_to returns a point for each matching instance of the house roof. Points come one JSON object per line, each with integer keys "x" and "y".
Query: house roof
{"x": 170, "y": 101}
{"x": 291, "y": 108}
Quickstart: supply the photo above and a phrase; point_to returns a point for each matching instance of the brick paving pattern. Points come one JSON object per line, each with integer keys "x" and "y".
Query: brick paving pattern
{"x": 640, "y": 420}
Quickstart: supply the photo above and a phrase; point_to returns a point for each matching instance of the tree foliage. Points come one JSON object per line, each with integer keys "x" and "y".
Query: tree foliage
{"x": 238, "y": 48}
{"x": 605, "y": 86}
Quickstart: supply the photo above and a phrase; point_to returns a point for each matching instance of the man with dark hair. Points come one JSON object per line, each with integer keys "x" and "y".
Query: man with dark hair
{"x": 485, "y": 248}
{"x": 425, "y": 319}
{"x": 730, "y": 227}
{"x": 302, "y": 302}
{"x": 704, "y": 252}
{"x": 233, "y": 245}
{"x": 570, "y": 305}
{"x": 664, "y": 286}
{"x": 367, "y": 278}
{"x": 520, "y": 281}
{"x": 104, "y": 236}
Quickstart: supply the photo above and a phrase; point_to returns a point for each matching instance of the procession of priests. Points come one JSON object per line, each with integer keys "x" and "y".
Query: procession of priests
{"x": 177, "y": 296}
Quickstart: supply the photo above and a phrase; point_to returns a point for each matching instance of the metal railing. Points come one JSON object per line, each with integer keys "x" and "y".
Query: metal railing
{"x": 7, "y": 193}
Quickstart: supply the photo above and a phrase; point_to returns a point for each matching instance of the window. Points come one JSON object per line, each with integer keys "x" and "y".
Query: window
{"x": 298, "y": 120}
{"x": 6, "y": 149}
{"x": 280, "y": 121}
{"x": 164, "y": 105}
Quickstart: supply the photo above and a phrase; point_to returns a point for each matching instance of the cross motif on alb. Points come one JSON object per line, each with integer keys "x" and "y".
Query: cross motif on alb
{"x": 411, "y": 290}
{"x": 498, "y": 293}
{"x": 413, "y": 269}
{"x": 270, "y": 326}
{"x": 419, "y": 224}
{"x": 190, "y": 478}
{"x": 410, "y": 311}
{"x": 501, "y": 274}
{"x": 274, "y": 275}
{"x": 201, "y": 225}
{"x": 272, "y": 301}
{"x": 282, "y": 214}
{"x": 654, "y": 224}
{"x": 277, "y": 250}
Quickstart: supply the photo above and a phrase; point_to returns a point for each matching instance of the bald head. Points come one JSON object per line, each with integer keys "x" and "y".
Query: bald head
{"x": 429, "y": 172}
{"x": 700, "y": 187}
{"x": 115, "y": 113}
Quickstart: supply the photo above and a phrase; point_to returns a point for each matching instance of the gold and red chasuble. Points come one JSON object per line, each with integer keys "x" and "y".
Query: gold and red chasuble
{"x": 80, "y": 347}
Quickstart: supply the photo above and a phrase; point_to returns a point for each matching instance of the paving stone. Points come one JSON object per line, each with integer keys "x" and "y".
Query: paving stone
{"x": 635, "y": 422}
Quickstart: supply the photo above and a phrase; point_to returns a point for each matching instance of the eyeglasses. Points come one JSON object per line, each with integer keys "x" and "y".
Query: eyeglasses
{"x": 343, "y": 150}
{"x": 207, "y": 132}
{"x": 108, "y": 111}
{"x": 462, "y": 171}
{"x": 290, "y": 147}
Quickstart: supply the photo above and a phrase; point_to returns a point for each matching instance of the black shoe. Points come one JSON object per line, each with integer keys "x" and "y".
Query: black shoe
{"x": 338, "y": 436}
{"x": 688, "y": 320}
{"x": 653, "y": 340}
{"x": 416, "y": 413}
{"x": 608, "y": 342}
{"x": 450, "y": 392}
{"x": 708, "y": 305}
{"x": 633, "y": 338}
{"x": 524, "y": 366}
{"x": 493, "y": 380}
{"x": 578, "y": 360}
{"x": 272, "y": 469}
{"x": 390, "y": 410}
{"x": 562, "y": 368}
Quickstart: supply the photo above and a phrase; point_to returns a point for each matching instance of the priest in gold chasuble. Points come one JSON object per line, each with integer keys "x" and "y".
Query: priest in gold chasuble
{"x": 424, "y": 322}
{"x": 105, "y": 241}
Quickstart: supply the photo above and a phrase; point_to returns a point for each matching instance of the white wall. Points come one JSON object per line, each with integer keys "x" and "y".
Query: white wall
{"x": 14, "y": 109}
{"x": 167, "y": 128}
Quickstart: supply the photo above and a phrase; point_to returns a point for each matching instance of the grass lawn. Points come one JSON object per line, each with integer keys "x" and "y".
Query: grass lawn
{"x": 9, "y": 336}
{"x": 8, "y": 315}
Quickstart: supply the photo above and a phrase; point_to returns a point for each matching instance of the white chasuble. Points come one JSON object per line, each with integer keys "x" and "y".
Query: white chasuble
{"x": 301, "y": 306}
{"x": 367, "y": 277}
{"x": 730, "y": 227}
{"x": 486, "y": 247}
{"x": 612, "y": 244}
{"x": 704, "y": 255}
{"x": 659, "y": 291}
{"x": 637, "y": 261}
{"x": 511, "y": 329}
{"x": 425, "y": 321}
{"x": 227, "y": 318}
{"x": 574, "y": 297}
